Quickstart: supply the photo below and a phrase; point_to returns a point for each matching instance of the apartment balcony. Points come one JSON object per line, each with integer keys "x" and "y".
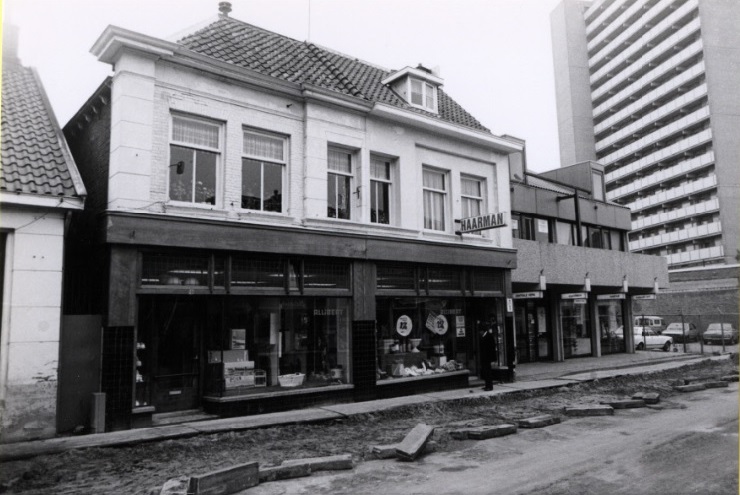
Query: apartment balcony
{"x": 697, "y": 255}
{"x": 647, "y": 79}
{"x": 600, "y": 18}
{"x": 683, "y": 235}
{"x": 667, "y": 174}
{"x": 660, "y": 155}
{"x": 616, "y": 24}
{"x": 686, "y": 212}
{"x": 633, "y": 51}
{"x": 648, "y": 99}
{"x": 672, "y": 194}
{"x": 666, "y": 132}
{"x": 653, "y": 117}
{"x": 647, "y": 21}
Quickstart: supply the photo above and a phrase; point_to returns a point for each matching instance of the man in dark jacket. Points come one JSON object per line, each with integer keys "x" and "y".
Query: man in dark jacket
{"x": 488, "y": 352}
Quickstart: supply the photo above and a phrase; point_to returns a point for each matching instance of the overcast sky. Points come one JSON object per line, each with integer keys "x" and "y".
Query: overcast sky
{"x": 494, "y": 55}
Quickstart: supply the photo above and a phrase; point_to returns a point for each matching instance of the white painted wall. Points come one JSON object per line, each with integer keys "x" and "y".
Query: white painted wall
{"x": 29, "y": 343}
{"x": 139, "y": 175}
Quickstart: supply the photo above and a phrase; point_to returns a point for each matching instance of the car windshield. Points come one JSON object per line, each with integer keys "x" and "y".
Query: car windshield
{"x": 676, "y": 326}
{"x": 717, "y": 327}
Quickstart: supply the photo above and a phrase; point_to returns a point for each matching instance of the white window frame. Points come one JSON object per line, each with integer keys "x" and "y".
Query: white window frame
{"x": 445, "y": 197}
{"x": 428, "y": 93}
{"x": 172, "y": 168}
{"x": 481, "y": 199}
{"x": 350, "y": 174}
{"x": 269, "y": 160}
{"x": 391, "y": 163}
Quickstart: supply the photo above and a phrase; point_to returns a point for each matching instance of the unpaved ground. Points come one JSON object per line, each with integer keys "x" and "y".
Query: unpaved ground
{"x": 139, "y": 469}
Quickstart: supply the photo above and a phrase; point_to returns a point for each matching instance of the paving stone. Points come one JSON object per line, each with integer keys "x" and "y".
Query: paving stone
{"x": 716, "y": 384}
{"x": 329, "y": 463}
{"x": 539, "y": 421}
{"x": 690, "y": 379}
{"x": 485, "y": 432}
{"x": 730, "y": 378}
{"x": 384, "y": 451}
{"x": 647, "y": 397}
{"x": 275, "y": 473}
{"x": 595, "y": 410}
{"x": 224, "y": 481}
{"x": 690, "y": 388}
{"x": 413, "y": 445}
{"x": 625, "y": 403}
{"x": 174, "y": 486}
{"x": 461, "y": 433}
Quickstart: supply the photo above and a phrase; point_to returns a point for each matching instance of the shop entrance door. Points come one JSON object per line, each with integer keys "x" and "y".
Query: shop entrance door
{"x": 174, "y": 333}
{"x": 532, "y": 336}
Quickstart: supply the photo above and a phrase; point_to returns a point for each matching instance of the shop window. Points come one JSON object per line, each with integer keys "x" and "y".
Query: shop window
{"x": 611, "y": 327}
{"x": 576, "y": 327}
{"x": 487, "y": 280}
{"x": 380, "y": 189}
{"x": 279, "y": 344}
{"x": 339, "y": 183}
{"x": 263, "y": 167}
{"x": 175, "y": 269}
{"x": 257, "y": 272}
{"x": 194, "y": 158}
{"x": 442, "y": 278}
{"x": 435, "y": 199}
{"x": 324, "y": 274}
{"x": 395, "y": 276}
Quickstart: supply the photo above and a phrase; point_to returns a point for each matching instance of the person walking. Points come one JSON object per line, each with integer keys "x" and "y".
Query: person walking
{"x": 488, "y": 353}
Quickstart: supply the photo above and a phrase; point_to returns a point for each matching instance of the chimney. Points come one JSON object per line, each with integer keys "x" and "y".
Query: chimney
{"x": 10, "y": 43}
{"x": 224, "y": 8}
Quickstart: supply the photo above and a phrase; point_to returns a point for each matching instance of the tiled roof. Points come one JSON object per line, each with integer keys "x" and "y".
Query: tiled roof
{"x": 272, "y": 54}
{"x": 35, "y": 159}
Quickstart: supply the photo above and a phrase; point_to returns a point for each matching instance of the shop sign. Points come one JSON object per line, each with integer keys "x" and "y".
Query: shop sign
{"x": 643, "y": 297}
{"x": 580, "y": 301}
{"x": 437, "y": 323}
{"x": 460, "y": 326}
{"x": 509, "y": 305}
{"x": 575, "y": 295}
{"x": 404, "y": 325}
{"x": 608, "y": 297}
{"x": 481, "y": 222}
{"x": 535, "y": 294}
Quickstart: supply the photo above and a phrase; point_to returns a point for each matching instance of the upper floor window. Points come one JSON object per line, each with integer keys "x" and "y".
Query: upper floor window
{"x": 339, "y": 185}
{"x": 597, "y": 181}
{"x": 263, "y": 168}
{"x": 380, "y": 190}
{"x": 194, "y": 157}
{"x": 435, "y": 199}
{"x": 471, "y": 197}
{"x": 423, "y": 94}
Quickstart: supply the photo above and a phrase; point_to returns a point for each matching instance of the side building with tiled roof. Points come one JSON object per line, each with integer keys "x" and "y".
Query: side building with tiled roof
{"x": 275, "y": 224}
{"x": 39, "y": 189}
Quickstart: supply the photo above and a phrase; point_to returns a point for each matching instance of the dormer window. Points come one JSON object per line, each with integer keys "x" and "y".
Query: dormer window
{"x": 423, "y": 94}
{"x": 417, "y": 86}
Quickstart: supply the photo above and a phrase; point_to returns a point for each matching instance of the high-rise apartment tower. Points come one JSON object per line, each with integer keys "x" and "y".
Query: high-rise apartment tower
{"x": 651, "y": 90}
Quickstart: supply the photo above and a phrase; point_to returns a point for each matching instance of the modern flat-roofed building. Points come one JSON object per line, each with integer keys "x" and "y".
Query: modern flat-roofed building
{"x": 648, "y": 88}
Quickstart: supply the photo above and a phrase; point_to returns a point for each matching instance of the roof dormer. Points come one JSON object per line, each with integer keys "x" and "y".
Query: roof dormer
{"x": 417, "y": 86}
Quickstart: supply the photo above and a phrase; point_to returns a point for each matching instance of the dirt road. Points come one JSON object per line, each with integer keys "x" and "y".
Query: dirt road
{"x": 688, "y": 447}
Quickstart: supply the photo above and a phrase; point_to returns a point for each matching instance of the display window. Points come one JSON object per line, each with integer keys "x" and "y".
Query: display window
{"x": 611, "y": 326}
{"x": 272, "y": 343}
{"x": 576, "y": 328}
{"x": 423, "y": 336}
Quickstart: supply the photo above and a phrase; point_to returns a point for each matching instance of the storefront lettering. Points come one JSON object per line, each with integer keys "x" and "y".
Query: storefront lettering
{"x": 450, "y": 312}
{"x": 328, "y": 312}
{"x": 482, "y": 222}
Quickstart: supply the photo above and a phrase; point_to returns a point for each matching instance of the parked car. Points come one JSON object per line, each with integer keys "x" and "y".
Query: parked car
{"x": 713, "y": 334}
{"x": 689, "y": 332}
{"x": 646, "y": 338}
{"x": 652, "y": 322}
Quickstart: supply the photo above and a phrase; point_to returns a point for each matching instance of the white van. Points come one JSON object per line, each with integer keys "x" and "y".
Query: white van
{"x": 655, "y": 323}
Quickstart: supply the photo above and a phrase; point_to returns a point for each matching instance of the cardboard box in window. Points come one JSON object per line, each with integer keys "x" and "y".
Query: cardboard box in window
{"x": 233, "y": 356}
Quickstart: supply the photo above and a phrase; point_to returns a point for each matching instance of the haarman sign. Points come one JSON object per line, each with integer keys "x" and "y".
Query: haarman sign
{"x": 481, "y": 222}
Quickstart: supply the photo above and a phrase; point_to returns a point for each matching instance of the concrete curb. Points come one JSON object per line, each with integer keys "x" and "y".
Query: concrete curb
{"x": 580, "y": 411}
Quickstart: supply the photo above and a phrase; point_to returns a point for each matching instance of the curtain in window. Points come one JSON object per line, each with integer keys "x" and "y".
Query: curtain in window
{"x": 470, "y": 187}
{"x": 416, "y": 95}
{"x": 340, "y": 161}
{"x": 263, "y": 146}
{"x": 430, "y": 96}
{"x": 379, "y": 169}
{"x": 434, "y": 180}
{"x": 434, "y": 210}
{"x": 194, "y": 132}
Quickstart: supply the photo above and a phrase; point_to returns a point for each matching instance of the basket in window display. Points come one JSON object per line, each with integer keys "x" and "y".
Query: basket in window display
{"x": 292, "y": 380}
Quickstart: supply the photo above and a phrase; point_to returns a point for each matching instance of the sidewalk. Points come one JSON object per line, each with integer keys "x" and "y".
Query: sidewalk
{"x": 528, "y": 377}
